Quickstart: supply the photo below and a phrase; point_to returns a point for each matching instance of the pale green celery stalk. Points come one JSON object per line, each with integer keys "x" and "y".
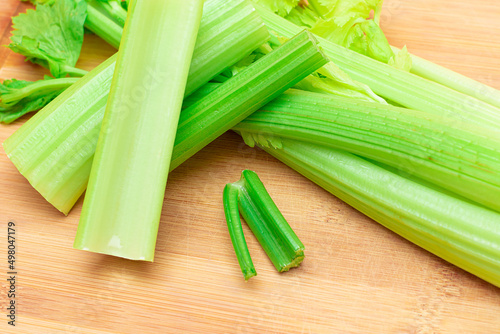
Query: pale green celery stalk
{"x": 230, "y": 200}
{"x": 55, "y": 148}
{"x": 454, "y": 80}
{"x": 464, "y": 234}
{"x": 431, "y": 147}
{"x": 244, "y": 93}
{"x": 406, "y": 89}
{"x": 273, "y": 232}
{"x": 104, "y": 27}
{"x": 122, "y": 207}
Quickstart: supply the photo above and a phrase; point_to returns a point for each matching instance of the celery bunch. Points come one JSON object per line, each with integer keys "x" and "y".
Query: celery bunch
{"x": 58, "y": 165}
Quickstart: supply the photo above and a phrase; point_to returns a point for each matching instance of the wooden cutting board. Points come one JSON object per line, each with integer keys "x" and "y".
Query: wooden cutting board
{"x": 357, "y": 277}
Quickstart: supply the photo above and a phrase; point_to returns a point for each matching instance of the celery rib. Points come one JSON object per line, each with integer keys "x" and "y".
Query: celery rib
{"x": 39, "y": 87}
{"x": 454, "y": 80}
{"x": 109, "y": 30}
{"x": 404, "y": 88}
{"x": 230, "y": 199}
{"x": 273, "y": 232}
{"x": 430, "y": 147}
{"x": 275, "y": 235}
{"x": 55, "y": 148}
{"x": 464, "y": 234}
{"x": 244, "y": 93}
{"x": 124, "y": 199}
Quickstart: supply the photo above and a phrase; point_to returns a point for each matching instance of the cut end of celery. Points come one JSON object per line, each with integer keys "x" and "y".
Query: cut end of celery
{"x": 115, "y": 252}
{"x": 249, "y": 273}
{"x": 296, "y": 261}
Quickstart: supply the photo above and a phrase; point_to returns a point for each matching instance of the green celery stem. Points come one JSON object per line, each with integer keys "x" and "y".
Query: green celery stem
{"x": 230, "y": 199}
{"x": 241, "y": 95}
{"x": 464, "y": 161}
{"x": 270, "y": 211}
{"x": 104, "y": 27}
{"x": 123, "y": 203}
{"x": 406, "y": 89}
{"x": 55, "y": 148}
{"x": 462, "y": 233}
{"x": 74, "y": 72}
{"x": 116, "y": 11}
{"x": 38, "y": 87}
{"x": 273, "y": 232}
{"x": 454, "y": 80}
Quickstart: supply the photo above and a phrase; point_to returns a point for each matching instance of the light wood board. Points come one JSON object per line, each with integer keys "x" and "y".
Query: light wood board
{"x": 357, "y": 277}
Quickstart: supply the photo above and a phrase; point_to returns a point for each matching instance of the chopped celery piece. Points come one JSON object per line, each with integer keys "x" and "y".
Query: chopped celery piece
{"x": 404, "y": 88}
{"x": 464, "y": 234}
{"x": 273, "y": 232}
{"x": 230, "y": 199}
{"x": 55, "y": 148}
{"x": 122, "y": 207}
{"x": 427, "y": 146}
{"x": 244, "y": 93}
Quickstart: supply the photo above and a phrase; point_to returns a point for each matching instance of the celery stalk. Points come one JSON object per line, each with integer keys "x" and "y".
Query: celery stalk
{"x": 230, "y": 199}
{"x": 114, "y": 10}
{"x": 273, "y": 232}
{"x": 244, "y": 93}
{"x": 404, "y": 88}
{"x": 122, "y": 206}
{"x": 454, "y": 80}
{"x": 104, "y": 27}
{"x": 55, "y": 148}
{"x": 464, "y": 234}
{"x": 275, "y": 235}
{"x": 427, "y": 146}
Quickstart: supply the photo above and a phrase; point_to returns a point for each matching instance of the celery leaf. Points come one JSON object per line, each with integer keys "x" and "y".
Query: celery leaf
{"x": 51, "y": 35}
{"x": 331, "y": 80}
{"x": 12, "y": 111}
{"x": 402, "y": 60}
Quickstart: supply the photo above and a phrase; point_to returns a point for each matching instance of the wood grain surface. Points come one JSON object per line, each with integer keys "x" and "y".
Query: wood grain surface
{"x": 357, "y": 277}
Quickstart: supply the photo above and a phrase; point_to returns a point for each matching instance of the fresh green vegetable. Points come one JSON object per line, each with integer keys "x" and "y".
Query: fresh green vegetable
{"x": 122, "y": 206}
{"x": 230, "y": 199}
{"x": 353, "y": 24}
{"x": 51, "y": 36}
{"x": 114, "y": 10}
{"x": 104, "y": 18}
{"x": 55, "y": 148}
{"x": 465, "y": 161}
{"x": 102, "y": 25}
{"x": 454, "y": 80}
{"x": 18, "y": 97}
{"x": 464, "y": 234}
{"x": 273, "y": 232}
{"x": 404, "y": 88}
{"x": 244, "y": 93}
